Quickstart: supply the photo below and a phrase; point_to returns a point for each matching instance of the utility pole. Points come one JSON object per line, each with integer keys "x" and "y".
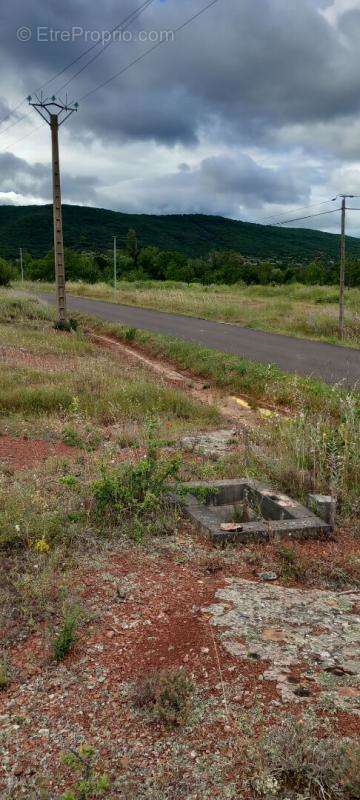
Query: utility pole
{"x": 55, "y": 113}
{"x": 115, "y": 265}
{"x": 344, "y": 197}
{"x": 21, "y": 265}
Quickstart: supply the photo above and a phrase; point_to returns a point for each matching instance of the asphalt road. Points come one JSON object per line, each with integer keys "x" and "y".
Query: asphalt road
{"x": 331, "y": 363}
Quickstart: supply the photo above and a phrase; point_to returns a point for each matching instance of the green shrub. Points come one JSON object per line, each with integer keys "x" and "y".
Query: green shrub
{"x": 167, "y": 694}
{"x": 4, "y": 675}
{"x": 87, "y": 784}
{"x": 136, "y": 493}
{"x": 6, "y": 273}
{"x": 129, "y": 334}
{"x": 297, "y": 760}
{"x": 66, "y": 636}
{"x": 66, "y": 325}
{"x": 71, "y": 437}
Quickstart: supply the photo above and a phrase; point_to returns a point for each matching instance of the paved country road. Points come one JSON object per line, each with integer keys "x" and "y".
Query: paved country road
{"x": 331, "y": 363}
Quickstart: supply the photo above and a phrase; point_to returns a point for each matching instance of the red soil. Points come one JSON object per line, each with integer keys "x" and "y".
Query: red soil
{"x": 20, "y": 453}
{"x": 145, "y": 615}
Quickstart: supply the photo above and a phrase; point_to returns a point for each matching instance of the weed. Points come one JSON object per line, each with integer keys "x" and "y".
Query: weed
{"x": 311, "y": 451}
{"x": 66, "y": 326}
{"x": 87, "y": 784}
{"x": 21, "y": 309}
{"x": 260, "y": 382}
{"x": 292, "y": 566}
{"x": 211, "y": 563}
{"x": 294, "y": 760}
{"x": 66, "y": 635}
{"x": 130, "y": 334}
{"x": 71, "y": 437}
{"x": 136, "y": 493}
{"x": 167, "y": 694}
{"x": 69, "y": 480}
{"x": 205, "y": 494}
{"x": 336, "y": 576}
{"x": 4, "y": 674}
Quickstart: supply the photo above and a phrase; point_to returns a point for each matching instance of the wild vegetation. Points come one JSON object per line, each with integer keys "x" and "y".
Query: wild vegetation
{"x": 96, "y": 564}
{"x": 135, "y": 263}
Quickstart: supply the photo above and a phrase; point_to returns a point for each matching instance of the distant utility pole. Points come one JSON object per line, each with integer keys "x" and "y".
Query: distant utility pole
{"x": 54, "y": 112}
{"x": 115, "y": 265}
{"x": 344, "y": 197}
{"x": 21, "y": 265}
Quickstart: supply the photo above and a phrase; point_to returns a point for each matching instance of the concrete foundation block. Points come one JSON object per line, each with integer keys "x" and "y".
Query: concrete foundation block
{"x": 323, "y": 505}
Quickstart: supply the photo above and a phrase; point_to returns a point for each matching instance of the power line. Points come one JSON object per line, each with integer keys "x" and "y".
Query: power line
{"x": 13, "y": 124}
{"x": 147, "y": 52}
{"x": 310, "y": 216}
{"x": 134, "y": 61}
{"x": 130, "y": 18}
{"x": 26, "y": 136}
{"x": 295, "y": 211}
{"x": 12, "y": 111}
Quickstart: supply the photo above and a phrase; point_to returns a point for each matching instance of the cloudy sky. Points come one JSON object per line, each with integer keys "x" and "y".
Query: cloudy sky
{"x": 251, "y": 111}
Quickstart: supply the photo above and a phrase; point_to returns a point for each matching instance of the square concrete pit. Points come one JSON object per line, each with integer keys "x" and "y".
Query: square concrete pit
{"x": 209, "y": 504}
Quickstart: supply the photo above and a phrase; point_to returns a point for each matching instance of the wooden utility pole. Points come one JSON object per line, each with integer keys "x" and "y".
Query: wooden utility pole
{"x": 344, "y": 198}
{"x": 54, "y": 112}
{"x": 342, "y": 267}
{"x": 57, "y": 215}
{"x": 115, "y": 264}
{"x": 21, "y": 265}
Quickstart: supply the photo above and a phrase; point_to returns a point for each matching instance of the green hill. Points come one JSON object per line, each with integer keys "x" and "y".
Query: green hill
{"x": 30, "y": 227}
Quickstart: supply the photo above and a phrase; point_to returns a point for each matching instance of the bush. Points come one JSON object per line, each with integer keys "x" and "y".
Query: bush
{"x": 65, "y": 638}
{"x": 87, "y": 783}
{"x": 136, "y": 493}
{"x": 167, "y": 694}
{"x": 300, "y": 760}
{"x": 4, "y": 675}
{"x": 6, "y": 273}
{"x": 130, "y": 334}
{"x": 66, "y": 325}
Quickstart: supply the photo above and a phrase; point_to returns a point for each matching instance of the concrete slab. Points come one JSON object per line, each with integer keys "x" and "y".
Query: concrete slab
{"x": 277, "y": 516}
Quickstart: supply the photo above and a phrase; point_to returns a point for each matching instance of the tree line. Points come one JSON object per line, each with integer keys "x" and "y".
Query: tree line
{"x": 136, "y": 263}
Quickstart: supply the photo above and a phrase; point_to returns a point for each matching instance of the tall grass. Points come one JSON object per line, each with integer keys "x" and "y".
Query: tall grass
{"x": 96, "y": 384}
{"x": 22, "y": 309}
{"x": 260, "y": 382}
{"x": 310, "y": 453}
{"x": 99, "y": 392}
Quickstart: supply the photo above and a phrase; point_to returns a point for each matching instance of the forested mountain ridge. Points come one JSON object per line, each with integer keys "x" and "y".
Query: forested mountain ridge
{"x": 85, "y": 228}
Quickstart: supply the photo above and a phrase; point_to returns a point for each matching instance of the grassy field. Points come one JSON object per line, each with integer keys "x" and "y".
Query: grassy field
{"x": 103, "y": 646}
{"x": 304, "y": 311}
{"x": 319, "y": 443}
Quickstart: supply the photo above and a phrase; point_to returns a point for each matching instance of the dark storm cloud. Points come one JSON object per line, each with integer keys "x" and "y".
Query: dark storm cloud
{"x": 252, "y": 65}
{"x": 268, "y": 74}
{"x": 18, "y": 176}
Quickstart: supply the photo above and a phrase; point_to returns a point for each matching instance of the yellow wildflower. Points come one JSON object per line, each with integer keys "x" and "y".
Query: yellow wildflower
{"x": 42, "y": 546}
